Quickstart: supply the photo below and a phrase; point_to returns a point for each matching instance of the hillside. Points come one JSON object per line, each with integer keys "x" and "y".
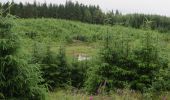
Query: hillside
{"x": 80, "y": 51}
{"x": 83, "y": 39}
{"x": 79, "y": 37}
{"x": 113, "y": 61}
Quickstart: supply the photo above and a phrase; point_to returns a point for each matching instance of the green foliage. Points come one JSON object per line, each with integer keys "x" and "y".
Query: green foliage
{"x": 78, "y": 72}
{"x": 80, "y": 37}
{"x": 118, "y": 67}
{"x": 93, "y": 80}
{"x": 90, "y": 14}
{"x": 38, "y": 53}
{"x": 55, "y": 69}
{"x": 162, "y": 82}
{"x": 49, "y": 69}
{"x": 31, "y": 35}
{"x": 102, "y": 74}
{"x": 63, "y": 69}
{"x": 120, "y": 62}
{"x": 18, "y": 79}
{"x": 150, "y": 63}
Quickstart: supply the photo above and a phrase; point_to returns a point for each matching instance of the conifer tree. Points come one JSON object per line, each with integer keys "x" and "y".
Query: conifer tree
{"x": 115, "y": 68}
{"x": 100, "y": 76}
{"x": 149, "y": 63}
{"x": 18, "y": 79}
{"x": 63, "y": 68}
{"x": 55, "y": 69}
{"x": 49, "y": 68}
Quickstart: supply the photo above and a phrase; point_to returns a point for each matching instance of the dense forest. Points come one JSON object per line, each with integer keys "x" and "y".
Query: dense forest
{"x": 45, "y": 49}
{"x": 90, "y": 14}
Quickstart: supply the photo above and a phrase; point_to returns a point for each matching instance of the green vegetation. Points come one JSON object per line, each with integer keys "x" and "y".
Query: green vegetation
{"x": 58, "y": 32}
{"x": 84, "y": 13}
{"x": 116, "y": 58}
{"x": 55, "y": 69}
{"x": 128, "y": 44}
{"x": 18, "y": 78}
{"x": 119, "y": 95}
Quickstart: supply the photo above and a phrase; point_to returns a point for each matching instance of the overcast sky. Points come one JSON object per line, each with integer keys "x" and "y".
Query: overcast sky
{"x": 161, "y": 7}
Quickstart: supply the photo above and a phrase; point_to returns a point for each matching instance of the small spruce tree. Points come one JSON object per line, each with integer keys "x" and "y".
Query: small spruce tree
{"x": 55, "y": 69}
{"x": 149, "y": 63}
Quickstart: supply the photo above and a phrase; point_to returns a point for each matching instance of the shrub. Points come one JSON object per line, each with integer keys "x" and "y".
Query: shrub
{"x": 31, "y": 35}
{"x": 38, "y": 53}
{"x": 80, "y": 37}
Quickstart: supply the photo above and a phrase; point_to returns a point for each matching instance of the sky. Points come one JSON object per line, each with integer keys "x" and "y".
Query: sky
{"x": 159, "y": 7}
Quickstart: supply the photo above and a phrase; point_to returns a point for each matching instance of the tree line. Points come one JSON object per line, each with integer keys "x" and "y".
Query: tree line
{"x": 90, "y": 14}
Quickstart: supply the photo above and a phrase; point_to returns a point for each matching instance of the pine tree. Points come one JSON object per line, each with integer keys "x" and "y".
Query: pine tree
{"x": 87, "y": 16}
{"x": 63, "y": 68}
{"x": 18, "y": 79}
{"x": 149, "y": 63}
{"x": 78, "y": 72}
{"x": 115, "y": 69}
{"x": 55, "y": 69}
{"x": 38, "y": 53}
{"x": 49, "y": 68}
{"x": 100, "y": 76}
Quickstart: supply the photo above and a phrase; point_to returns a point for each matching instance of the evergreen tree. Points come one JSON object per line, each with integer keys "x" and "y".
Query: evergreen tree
{"x": 78, "y": 72}
{"x": 77, "y": 12}
{"x": 87, "y": 16}
{"x": 149, "y": 63}
{"x": 55, "y": 69}
{"x": 18, "y": 79}
{"x": 91, "y": 14}
{"x": 49, "y": 68}
{"x": 100, "y": 77}
{"x": 98, "y": 17}
{"x": 38, "y": 53}
{"x": 63, "y": 68}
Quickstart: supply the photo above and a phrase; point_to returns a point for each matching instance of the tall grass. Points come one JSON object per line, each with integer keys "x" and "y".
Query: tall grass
{"x": 118, "y": 95}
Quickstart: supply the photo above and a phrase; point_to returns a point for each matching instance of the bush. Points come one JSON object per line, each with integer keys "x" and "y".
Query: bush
{"x": 31, "y": 35}
{"x": 38, "y": 53}
{"x": 80, "y": 37}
